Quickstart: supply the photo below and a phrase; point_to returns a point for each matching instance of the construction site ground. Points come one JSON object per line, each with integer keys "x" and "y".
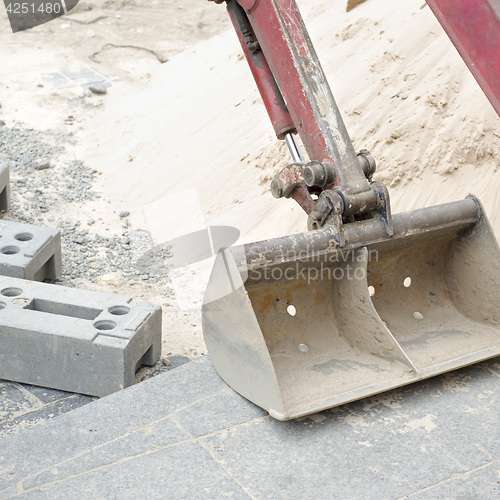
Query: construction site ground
{"x": 185, "y": 434}
{"x": 178, "y": 141}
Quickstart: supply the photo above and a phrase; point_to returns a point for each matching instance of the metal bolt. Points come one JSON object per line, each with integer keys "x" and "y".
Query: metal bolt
{"x": 314, "y": 175}
{"x": 277, "y": 188}
{"x": 367, "y": 162}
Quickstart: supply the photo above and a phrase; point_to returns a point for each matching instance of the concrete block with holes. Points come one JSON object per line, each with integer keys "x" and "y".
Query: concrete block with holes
{"x": 74, "y": 340}
{"x": 4, "y": 187}
{"x": 29, "y": 252}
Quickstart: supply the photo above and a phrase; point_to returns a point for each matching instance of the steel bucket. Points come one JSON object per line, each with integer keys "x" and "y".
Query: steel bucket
{"x": 298, "y": 325}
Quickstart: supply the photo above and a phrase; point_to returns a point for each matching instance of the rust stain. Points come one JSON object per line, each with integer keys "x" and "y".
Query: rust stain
{"x": 300, "y": 285}
{"x": 447, "y": 294}
{"x": 320, "y": 298}
{"x": 422, "y": 289}
{"x": 375, "y": 279}
{"x": 266, "y": 302}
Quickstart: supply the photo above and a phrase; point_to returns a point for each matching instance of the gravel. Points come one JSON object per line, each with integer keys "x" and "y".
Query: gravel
{"x": 102, "y": 252}
{"x": 89, "y": 255}
{"x": 43, "y": 165}
{"x": 61, "y": 196}
{"x": 98, "y": 88}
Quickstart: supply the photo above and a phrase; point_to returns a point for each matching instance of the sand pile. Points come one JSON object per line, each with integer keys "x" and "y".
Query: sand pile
{"x": 195, "y": 143}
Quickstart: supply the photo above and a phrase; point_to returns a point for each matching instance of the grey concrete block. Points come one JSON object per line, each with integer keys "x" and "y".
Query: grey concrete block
{"x": 74, "y": 340}
{"x": 29, "y": 252}
{"x": 4, "y": 187}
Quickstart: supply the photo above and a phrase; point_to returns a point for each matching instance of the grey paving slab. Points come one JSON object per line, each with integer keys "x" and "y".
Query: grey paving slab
{"x": 383, "y": 447}
{"x": 150, "y": 437}
{"x": 183, "y": 471}
{"x": 61, "y": 439}
{"x": 46, "y": 412}
{"x": 44, "y": 394}
{"x": 221, "y": 411}
{"x": 467, "y": 423}
{"x": 77, "y": 75}
{"x": 480, "y": 484}
{"x": 184, "y": 434}
{"x": 15, "y": 401}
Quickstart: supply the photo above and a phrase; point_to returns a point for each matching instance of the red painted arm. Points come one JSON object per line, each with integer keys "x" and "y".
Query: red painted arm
{"x": 474, "y": 28}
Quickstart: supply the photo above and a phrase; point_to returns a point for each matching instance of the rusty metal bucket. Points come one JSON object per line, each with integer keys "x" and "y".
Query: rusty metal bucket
{"x": 298, "y": 325}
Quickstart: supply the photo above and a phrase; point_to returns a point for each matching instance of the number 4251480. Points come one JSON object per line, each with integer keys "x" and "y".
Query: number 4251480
{"x": 31, "y": 8}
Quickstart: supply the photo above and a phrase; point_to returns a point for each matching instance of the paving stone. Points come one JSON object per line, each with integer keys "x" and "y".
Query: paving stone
{"x": 150, "y": 437}
{"x": 470, "y": 405}
{"x": 46, "y": 395}
{"x": 34, "y": 417}
{"x": 482, "y": 484}
{"x": 107, "y": 419}
{"x": 176, "y": 361}
{"x": 221, "y": 411}
{"x": 13, "y": 401}
{"x": 185, "y": 471}
{"x": 455, "y": 407}
{"x": 377, "y": 448}
{"x": 9, "y": 492}
{"x": 401, "y": 444}
{"x": 327, "y": 460}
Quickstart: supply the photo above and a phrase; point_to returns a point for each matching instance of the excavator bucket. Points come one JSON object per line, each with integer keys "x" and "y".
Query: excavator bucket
{"x": 298, "y": 325}
{"x": 364, "y": 301}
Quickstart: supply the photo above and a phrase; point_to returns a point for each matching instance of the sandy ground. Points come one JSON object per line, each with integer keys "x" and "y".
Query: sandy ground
{"x": 181, "y": 139}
